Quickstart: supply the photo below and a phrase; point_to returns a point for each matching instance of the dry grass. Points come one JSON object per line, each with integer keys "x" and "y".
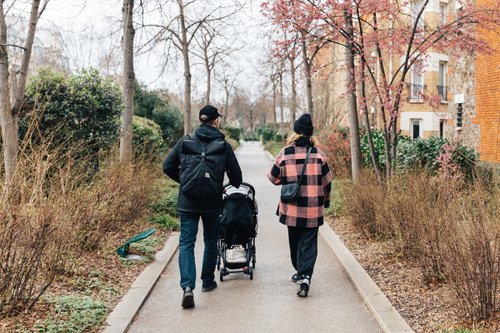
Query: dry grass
{"x": 450, "y": 229}
{"x": 52, "y": 214}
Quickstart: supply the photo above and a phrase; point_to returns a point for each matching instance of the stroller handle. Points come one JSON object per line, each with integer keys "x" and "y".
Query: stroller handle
{"x": 242, "y": 183}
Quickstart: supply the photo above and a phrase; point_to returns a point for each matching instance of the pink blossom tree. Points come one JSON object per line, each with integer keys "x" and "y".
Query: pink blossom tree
{"x": 388, "y": 40}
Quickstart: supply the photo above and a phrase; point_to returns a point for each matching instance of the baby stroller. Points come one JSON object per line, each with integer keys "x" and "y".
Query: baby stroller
{"x": 238, "y": 229}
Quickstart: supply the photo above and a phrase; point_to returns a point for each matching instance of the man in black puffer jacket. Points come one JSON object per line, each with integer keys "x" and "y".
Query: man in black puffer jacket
{"x": 198, "y": 162}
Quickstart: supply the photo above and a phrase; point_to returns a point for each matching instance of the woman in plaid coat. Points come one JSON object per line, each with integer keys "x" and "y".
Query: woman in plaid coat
{"x": 304, "y": 216}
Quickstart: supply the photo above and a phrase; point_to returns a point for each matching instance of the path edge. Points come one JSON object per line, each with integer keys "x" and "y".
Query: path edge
{"x": 125, "y": 311}
{"x": 389, "y": 319}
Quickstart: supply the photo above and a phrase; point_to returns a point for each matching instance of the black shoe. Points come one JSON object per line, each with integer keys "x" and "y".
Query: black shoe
{"x": 211, "y": 286}
{"x": 188, "y": 298}
{"x": 296, "y": 278}
{"x": 304, "y": 288}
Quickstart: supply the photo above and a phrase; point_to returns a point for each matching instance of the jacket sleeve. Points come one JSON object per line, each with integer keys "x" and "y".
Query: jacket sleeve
{"x": 233, "y": 169}
{"x": 172, "y": 162}
{"x": 274, "y": 173}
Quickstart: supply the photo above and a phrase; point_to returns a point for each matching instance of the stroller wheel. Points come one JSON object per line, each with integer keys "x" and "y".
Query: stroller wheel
{"x": 221, "y": 275}
{"x": 251, "y": 273}
{"x": 218, "y": 263}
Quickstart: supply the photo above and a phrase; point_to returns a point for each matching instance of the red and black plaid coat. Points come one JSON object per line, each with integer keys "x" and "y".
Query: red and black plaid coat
{"x": 314, "y": 194}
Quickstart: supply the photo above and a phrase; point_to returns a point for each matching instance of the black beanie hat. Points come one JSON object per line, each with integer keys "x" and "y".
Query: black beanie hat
{"x": 304, "y": 125}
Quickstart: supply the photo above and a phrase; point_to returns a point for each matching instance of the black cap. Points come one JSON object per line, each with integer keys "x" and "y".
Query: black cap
{"x": 208, "y": 113}
{"x": 304, "y": 125}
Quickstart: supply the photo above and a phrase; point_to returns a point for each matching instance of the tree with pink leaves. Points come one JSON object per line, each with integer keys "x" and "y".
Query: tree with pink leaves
{"x": 388, "y": 39}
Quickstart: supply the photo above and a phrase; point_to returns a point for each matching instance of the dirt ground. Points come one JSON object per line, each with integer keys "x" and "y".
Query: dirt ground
{"x": 425, "y": 308}
{"x": 103, "y": 276}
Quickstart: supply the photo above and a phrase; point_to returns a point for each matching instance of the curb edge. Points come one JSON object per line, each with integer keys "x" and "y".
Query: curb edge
{"x": 389, "y": 319}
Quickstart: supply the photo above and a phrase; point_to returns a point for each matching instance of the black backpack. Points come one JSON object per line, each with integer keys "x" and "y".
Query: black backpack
{"x": 202, "y": 168}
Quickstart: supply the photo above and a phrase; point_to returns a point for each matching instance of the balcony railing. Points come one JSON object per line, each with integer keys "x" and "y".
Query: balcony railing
{"x": 443, "y": 92}
{"x": 415, "y": 92}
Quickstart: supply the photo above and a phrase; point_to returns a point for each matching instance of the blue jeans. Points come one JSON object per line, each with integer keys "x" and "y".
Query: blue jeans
{"x": 187, "y": 239}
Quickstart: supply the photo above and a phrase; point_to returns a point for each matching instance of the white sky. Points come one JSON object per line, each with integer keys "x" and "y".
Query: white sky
{"x": 79, "y": 20}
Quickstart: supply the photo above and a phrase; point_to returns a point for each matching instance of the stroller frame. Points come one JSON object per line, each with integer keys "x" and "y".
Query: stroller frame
{"x": 247, "y": 267}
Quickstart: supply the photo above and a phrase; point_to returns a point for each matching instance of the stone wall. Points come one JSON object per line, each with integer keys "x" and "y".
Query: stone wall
{"x": 462, "y": 82}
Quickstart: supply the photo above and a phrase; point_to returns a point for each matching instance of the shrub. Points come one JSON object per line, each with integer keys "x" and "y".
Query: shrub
{"x": 420, "y": 154}
{"x": 33, "y": 237}
{"x": 280, "y": 138}
{"x": 167, "y": 200}
{"x": 117, "y": 196}
{"x": 361, "y": 201}
{"x": 472, "y": 256}
{"x": 155, "y": 105}
{"x": 147, "y": 138}
{"x": 47, "y": 220}
{"x": 450, "y": 228}
{"x": 166, "y": 221}
{"x": 335, "y": 143}
{"x": 379, "y": 147}
{"x": 267, "y": 134}
{"x": 83, "y": 109}
{"x": 274, "y": 147}
{"x": 232, "y": 132}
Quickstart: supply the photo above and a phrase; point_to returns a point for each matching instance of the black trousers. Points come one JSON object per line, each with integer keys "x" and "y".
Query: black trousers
{"x": 303, "y": 249}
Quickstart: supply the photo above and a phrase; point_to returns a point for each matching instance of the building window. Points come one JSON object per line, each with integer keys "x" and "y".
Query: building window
{"x": 416, "y": 128}
{"x": 416, "y": 7}
{"x": 460, "y": 113}
{"x": 417, "y": 81}
{"x": 442, "y": 128}
{"x": 443, "y": 13}
{"x": 442, "y": 88}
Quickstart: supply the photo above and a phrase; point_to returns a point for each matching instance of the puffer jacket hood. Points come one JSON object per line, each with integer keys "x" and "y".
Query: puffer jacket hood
{"x": 208, "y": 133}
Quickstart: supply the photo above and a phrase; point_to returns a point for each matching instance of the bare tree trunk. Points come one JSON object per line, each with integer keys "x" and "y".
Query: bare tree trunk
{"x": 226, "y": 98}
{"x": 187, "y": 70}
{"x": 9, "y": 110}
{"x": 351, "y": 104}
{"x": 282, "y": 111}
{"x": 365, "y": 104}
{"x": 368, "y": 127}
{"x": 209, "y": 81}
{"x": 293, "y": 107}
{"x": 126, "y": 148}
{"x": 273, "y": 79}
{"x": 307, "y": 73}
{"x": 9, "y": 147}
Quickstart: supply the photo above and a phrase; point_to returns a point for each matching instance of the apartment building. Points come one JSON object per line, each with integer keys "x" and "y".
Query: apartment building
{"x": 330, "y": 88}
{"x": 428, "y": 76}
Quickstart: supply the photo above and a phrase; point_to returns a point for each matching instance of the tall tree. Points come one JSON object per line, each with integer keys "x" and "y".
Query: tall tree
{"x": 126, "y": 148}
{"x": 291, "y": 56}
{"x": 352, "y": 101}
{"x": 212, "y": 51}
{"x": 181, "y": 28}
{"x": 13, "y": 85}
{"x": 301, "y": 29}
{"x": 227, "y": 81}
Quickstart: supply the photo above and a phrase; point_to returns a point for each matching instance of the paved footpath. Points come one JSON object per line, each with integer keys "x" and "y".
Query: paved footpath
{"x": 268, "y": 303}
